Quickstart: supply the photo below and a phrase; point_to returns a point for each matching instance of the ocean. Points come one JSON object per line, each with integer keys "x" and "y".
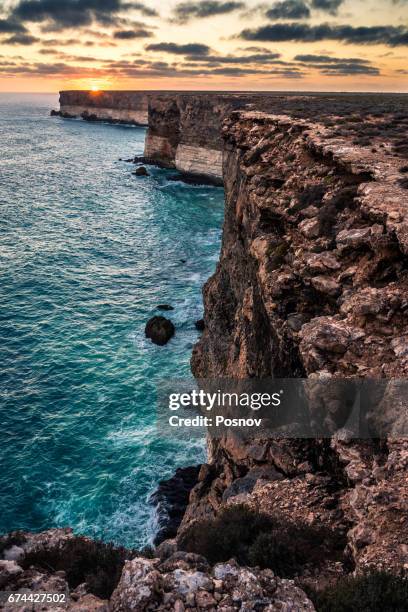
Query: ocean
{"x": 87, "y": 252}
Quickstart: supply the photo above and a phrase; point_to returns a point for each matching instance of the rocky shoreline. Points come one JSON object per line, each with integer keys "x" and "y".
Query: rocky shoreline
{"x": 312, "y": 282}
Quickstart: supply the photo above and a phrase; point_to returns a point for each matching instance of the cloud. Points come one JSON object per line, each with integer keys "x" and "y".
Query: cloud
{"x": 21, "y": 39}
{"x": 235, "y": 71}
{"x": 185, "y": 11}
{"x": 254, "y": 49}
{"x": 56, "y": 42}
{"x": 257, "y": 58}
{"x": 139, "y": 6}
{"x": 328, "y": 59}
{"x": 332, "y": 66}
{"x": 328, "y": 6}
{"x": 132, "y": 34}
{"x": 347, "y": 69}
{"x": 10, "y": 26}
{"x": 289, "y": 9}
{"x": 62, "y": 14}
{"x": 188, "y": 49}
{"x": 364, "y": 35}
{"x": 67, "y": 57}
{"x": 140, "y": 69}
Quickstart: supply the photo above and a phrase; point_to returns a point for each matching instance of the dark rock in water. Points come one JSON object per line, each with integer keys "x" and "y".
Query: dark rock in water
{"x": 159, "y": 330}
{"x": 55, "y": 113}
{"x": 193, "y": 179}
{"x": 183, "y": 260}
{"x": 200, "y": 325}
{"x": 165, "y": 307}
{"x": 89, "y": 116}
{"x": 141, "y": 171}
{"x": 171, "y": 499}
{"x": 148, "y": 161}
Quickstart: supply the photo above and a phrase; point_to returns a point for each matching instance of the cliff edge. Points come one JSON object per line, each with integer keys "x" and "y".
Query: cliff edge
{"x": 311, "y": 282}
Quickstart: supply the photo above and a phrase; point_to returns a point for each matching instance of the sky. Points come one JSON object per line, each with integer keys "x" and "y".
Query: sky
{"x": 301, "y": 45}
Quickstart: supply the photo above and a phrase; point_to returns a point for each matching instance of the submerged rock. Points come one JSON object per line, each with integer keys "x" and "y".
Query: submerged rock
{"x": 141, "y": 171}
{"x": 165, "y": 307}
{"x": 159, "y": 330}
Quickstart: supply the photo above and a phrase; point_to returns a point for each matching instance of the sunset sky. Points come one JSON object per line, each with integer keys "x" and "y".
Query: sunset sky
{"x": 48, "y": 45}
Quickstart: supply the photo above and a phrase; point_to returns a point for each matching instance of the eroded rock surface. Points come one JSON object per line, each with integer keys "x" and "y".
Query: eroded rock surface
{"x": 184, "y": 582}
{"x": 175, "y": 580}
{"x": 311, "y": 282}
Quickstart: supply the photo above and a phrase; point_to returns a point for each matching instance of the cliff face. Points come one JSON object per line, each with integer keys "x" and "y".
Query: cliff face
{"x": 311, "y": 282}
{"x": 185, "y": 129}
{"x": 185, "y": 132}
{"x": 115, "y": 106}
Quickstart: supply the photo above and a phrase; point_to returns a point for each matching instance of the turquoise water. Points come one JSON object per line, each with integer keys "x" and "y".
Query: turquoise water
{"x": 87, "y": 251}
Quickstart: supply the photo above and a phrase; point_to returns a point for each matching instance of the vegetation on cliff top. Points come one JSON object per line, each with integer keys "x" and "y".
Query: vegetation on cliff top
{"x": 367, "y": 593}
{"x": 256, "y": 539}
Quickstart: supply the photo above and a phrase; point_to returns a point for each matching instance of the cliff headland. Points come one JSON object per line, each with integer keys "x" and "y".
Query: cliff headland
{"x": 312, "y": 282}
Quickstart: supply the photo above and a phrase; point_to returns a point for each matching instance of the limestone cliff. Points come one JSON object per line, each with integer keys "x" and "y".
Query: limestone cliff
{"x": 185, "y": 132}
{"x": 114, "y": 106}
{"x": 311, "y": 282}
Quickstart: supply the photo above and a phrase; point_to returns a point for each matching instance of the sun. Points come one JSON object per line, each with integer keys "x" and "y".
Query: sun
{"x": 94, "y": 88}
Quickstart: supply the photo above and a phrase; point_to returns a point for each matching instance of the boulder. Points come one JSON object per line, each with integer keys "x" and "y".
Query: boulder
{"x": 165, "y": 307}
{"x": 141, "y": 171}
{"x": 9, "y": 570}
{"x": 148, "y": 584}
{"x": 159, "y": 330}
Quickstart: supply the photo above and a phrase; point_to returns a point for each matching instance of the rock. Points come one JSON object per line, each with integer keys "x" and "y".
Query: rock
{"x": 247, "y": 483}
{"x": 14, "y": 553}
{"x": 296, "y": 321}
{"x": 171, "y": 499}
{"x": 327, "y": 285}
{"x": 9, "y": 570}
{"x": 310, "y": 228}
{"x": 159, "y": 330}
{"x": 164, "y": 307}
{"x": 204, "y": 600}
{"x": 140, "y": 586}
{"x": 55, "y": 113}
{"x": 166, "y": 549}
{"x": 328, "y": 335}
{"x": 200, "y": 325}
{"x": 189, "y": 582}
{"x": 353, "y": 237}
{"x": 90, "y": 603}
{"x": 141, "y": 171}
{"x": 179, "y": 606}
{"x": 154, "y": 587}
{"x": 318, "y": 263}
